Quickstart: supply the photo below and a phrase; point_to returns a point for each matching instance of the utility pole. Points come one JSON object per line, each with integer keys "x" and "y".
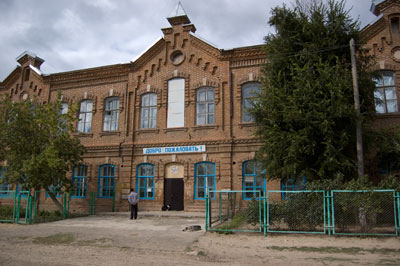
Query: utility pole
{"x": 360, "y": 155}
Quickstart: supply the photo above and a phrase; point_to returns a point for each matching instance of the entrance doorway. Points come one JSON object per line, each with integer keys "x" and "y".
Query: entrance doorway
{"x": 174, "y": 187}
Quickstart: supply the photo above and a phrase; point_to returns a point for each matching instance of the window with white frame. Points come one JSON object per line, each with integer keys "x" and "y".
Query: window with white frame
{"x": 249, "y": 92}
{"x": 148, "y": 111}
{"x": 79, "y": 181}
{"x": 253, "y": 180}
{"x": 176, "y": 103}
{"x": 385, "y": 93}
{"x": 205, "y": 106}
{"x": 145, "y": 181}
{"x": 204, "y": 180}
{"x": 85, "y": 116}
{"x": 111, "y": 112}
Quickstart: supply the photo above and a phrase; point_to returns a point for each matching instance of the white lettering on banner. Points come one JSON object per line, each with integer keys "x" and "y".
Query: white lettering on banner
{"x": 178, "y": 149}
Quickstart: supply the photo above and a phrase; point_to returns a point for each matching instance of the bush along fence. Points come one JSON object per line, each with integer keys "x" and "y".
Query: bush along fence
{"x": 335, "y": 212}
{"x": 26, "y": 207}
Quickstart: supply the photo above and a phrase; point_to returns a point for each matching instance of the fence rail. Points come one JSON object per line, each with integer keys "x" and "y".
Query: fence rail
{"x": 335, "y": 212}
{"x": 27, "y": 207}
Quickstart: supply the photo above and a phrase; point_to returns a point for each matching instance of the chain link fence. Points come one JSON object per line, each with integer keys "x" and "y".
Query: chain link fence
{"x": 336, "y": 212}
{"x": 227, "y": 212}
{"x": 364, "y": 212}
{"x": 296, "y": 212}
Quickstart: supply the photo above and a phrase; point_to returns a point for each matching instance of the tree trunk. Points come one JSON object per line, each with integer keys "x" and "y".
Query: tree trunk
{"x": 55, "y": 201}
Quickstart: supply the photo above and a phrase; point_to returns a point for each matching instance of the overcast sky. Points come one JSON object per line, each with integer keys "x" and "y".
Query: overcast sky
{"x": 78, "y": 34}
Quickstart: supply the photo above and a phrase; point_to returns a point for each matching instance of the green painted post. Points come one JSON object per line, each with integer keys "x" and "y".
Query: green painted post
{"x": 220, "y": 207}
{"x": 206, "y": 225}
{"x": 30, "y": 207}
{"x": 91, "y": 203}
{"x": 333, "y": 214}
{"x": 69, "y": 201}
{"x": 34, "y": 206}
{"x": 267, "y": 225}
{"x": 94, "y": 203}
{"x": 229, "y": 209}
{"x": 18, "y": 206}
{"x": 14, "y": 209}
{"x": 64, "y": 206}
{"x": 328, "y": 207}
{"x": 397, "y": 198}
{"x": 265, "y": 216}
{"x": 234, "y": 204}
{"x": 259, "y": 209}
{"x": 113, "y": 202}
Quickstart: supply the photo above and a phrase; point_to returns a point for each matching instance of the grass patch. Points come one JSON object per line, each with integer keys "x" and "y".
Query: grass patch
{"x": 235, "y": 223}
{"x": 57, "y": 239}
{"x": 202, "y": 253}
{"x": 352, "y": 250}
{"x": 95, "y": 242}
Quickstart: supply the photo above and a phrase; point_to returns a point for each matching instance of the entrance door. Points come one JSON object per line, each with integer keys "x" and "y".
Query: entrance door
{"x": 174, "y": 186}
{"x": 173, "y": 193}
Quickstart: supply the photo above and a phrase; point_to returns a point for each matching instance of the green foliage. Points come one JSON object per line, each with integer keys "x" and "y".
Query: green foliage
{"x": 235, "y": 223}
{"x": 305, "y": 114}
{"x": 37, "y": 143}
{"x": 252, "y": 213}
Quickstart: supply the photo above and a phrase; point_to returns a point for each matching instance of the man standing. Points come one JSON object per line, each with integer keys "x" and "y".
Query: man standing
{"x": 133, "y": 200}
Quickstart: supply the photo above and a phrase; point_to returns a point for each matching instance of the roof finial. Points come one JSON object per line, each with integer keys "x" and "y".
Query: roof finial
{"x": 178, "y": 16}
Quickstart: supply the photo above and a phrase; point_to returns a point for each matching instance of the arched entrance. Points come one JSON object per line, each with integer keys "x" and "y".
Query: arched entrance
{"x": 174, "y": 186}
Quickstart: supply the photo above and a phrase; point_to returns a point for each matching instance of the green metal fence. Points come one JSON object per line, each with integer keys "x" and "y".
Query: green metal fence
{"x": 227, "y": 212}
{"x": 302, "y": 212}
{"x": 25, "y": 207}
{"x": 365, "y": 212}
{"x": 336, "y": 212}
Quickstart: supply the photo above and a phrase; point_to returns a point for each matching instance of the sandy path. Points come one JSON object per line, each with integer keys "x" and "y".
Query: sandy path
{"x": 115, "y": 240}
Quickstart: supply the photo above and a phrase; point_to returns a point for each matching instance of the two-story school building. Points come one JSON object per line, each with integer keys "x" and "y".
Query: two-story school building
{"x": 175, "y": 122}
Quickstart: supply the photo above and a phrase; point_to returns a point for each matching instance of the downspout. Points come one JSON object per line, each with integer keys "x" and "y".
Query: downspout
{"x": 230, "y": 123}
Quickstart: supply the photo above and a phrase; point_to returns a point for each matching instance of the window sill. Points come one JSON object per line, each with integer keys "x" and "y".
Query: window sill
{"x": 173, "y": 129}
{"x": 247, "y": 124}
{"x": 110, "y": 133}
{"x": 201, "y": 127}
{"x": 84, "y": 135}
{"x": 147, "y": 130}
{"x": 388, "y": 115}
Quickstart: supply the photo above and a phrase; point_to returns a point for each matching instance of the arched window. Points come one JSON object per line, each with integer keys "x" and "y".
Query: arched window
{"x": 176, "y": 103}
{"x": 204, "y": 180}
{"x": 85, "y": 116}
{"x": 148, "y": 111}
{"x": 111, "y": 112}
{"x": 106, "y": 185}
{"x": 249, "y": 91}
{"x": 79, "y": 181}
{"x": 253, "y": 179}
{"x": 145, "y": 181}
{"x": 385, "y": 93}
{"x": 205, "y": 106}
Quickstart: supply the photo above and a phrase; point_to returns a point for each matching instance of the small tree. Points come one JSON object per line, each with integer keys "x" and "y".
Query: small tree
{"x": 305, "y": 115}
{"x": 37, "y": 144}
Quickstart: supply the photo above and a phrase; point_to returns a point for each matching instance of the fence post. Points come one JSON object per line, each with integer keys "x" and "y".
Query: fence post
{"x": 259, "y": 209}
{"x": 333, "y": 213}
{"x": 64, "y": 206}
{"x": 69, "y": 201}
{"x": 265, "y": 216}
{"x": 397, "y": 217}
{"x": 206, "y": 225}
{"x": 113, "y": 202}
{"x": 327, "y": 211}
{"x": 267, "y": 225}
{"x": 30, "y": 207}
{"x": 18, "y": 206}
{"x": 14, "y": 207}
{"x": 220, "y": 207}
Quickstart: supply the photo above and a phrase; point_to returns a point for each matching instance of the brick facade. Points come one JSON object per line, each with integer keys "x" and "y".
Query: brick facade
{"x": 181, "y": 54}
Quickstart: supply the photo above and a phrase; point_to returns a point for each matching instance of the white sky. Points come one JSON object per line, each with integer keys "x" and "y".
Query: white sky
{"x": 77, "y": 34}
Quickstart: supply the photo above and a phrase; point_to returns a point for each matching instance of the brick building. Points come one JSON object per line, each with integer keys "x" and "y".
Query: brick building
{"x": 173, "y": 122}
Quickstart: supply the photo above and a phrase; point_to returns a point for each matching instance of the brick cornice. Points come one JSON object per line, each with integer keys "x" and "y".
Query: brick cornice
{"x": 99, "y": 74}
{"x": 149, "y": 54}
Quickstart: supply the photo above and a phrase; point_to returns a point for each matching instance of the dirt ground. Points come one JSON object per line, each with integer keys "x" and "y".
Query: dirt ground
{"x": 154, "y": 240}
